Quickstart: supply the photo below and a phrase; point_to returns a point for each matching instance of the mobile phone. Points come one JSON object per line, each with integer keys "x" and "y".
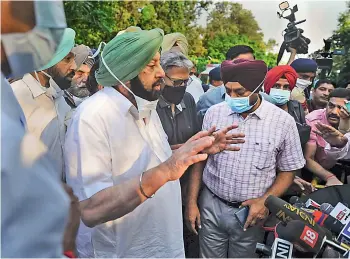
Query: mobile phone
{"x": 242, "y": 215}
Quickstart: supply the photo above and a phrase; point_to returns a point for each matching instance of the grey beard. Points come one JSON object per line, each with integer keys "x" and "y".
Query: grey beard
{"x": 80, "y": 92}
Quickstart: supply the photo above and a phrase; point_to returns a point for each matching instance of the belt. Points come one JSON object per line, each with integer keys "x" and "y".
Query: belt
{"x": 234, "y": 204}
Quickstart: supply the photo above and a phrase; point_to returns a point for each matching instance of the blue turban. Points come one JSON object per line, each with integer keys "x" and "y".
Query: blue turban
{"x": 304, "y": 65}
{"x": 214, "y": 74}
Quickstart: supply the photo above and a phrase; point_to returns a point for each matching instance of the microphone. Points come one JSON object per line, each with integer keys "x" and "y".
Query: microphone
{"x": 326, "y": 208}
{"x": 319, "y": 217}
{"x": 306, "y": 238}
{"x": 310, "y": 203}
{"x": 341, "y": 213}
{"x": 282, "y": 249}
{"x": 285, "y": 212}
{"x": 263, "y": 249}
{"x": 330, "y": 253}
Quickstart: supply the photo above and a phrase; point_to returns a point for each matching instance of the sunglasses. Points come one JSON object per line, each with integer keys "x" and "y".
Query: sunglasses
{"x": 180, "y": 82}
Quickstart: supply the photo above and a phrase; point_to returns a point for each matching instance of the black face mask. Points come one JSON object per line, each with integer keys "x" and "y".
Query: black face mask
{"x": 174, "y": 94}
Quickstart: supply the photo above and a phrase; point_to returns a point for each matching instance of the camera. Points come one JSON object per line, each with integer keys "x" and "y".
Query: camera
{"x": 293, "y": 36}
{"x": 324, "y": 59}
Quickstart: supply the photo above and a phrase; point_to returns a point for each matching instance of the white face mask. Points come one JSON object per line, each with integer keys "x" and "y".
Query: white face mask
{"x": 302, "y": 83}
{"x": 145, "y": 107}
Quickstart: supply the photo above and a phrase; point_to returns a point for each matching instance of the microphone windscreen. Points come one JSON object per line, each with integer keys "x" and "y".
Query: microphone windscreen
{"x": 330, "y": 253}
{"x": 326, "y": 208}
{"x": 302, "y": 235}
{"x": 294, "y": 199}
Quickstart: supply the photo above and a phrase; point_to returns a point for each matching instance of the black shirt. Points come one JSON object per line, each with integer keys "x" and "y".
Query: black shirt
{"x": 184, "y": 124}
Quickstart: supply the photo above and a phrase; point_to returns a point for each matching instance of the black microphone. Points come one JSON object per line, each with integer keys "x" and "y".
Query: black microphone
{"x": 326, "y": 208}
{"x": 296, "y": 202}
{"x": 304, "y": 237}
{"x": 263, "y": 249}
{"x": 285, "y": 212}
{"x": 330, "y": 253}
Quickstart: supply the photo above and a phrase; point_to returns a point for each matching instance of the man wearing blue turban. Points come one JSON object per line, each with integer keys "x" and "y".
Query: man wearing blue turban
{"x": 119, "y": 162}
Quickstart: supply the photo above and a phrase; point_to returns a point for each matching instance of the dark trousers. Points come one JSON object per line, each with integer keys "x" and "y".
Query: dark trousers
{"x": 191, "y": 241}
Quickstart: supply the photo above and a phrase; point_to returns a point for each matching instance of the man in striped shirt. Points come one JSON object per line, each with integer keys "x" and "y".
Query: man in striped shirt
{"x": 247, "y": 177}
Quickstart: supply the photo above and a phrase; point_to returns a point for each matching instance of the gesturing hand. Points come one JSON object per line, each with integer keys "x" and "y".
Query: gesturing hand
{"x": 224, "y": 140}
{"x": 331, "y": 135}
{"x": 302, "y": 185}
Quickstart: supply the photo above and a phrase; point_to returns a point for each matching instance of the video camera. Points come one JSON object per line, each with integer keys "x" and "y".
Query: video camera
{"x": 325, "y": 59}
{"x": 293, "y": 36}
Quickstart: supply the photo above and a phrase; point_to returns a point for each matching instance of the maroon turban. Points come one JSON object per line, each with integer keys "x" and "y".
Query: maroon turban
{"x": 276, "y": 73}
{"x": 249, "y": 73}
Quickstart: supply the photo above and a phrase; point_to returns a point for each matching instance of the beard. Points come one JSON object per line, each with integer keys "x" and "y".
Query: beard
{"x": 79, "y": 91}
{"x": 138, "y": 89}
{"x": 64, "y": 82}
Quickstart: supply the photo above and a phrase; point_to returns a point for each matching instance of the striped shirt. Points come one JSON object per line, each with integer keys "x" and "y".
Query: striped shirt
{"x": 271, "y": 142}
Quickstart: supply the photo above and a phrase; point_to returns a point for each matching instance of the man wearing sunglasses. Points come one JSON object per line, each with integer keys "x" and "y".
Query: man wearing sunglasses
{"x": 177, "y": 111}
{"x": 318, "y": 163}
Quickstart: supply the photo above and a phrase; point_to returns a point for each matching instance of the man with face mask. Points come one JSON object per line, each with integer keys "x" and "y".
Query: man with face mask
{"x": 84, "y": 61}
{"x": 40, "y": 95}
{"x": 247, "y": 177}
{"x": 118, "y": 159}
{"x": 177, "y": 112}
{"x": 306, "y": 70}
{"x": 318, "y": 163}
{"x": 34, "y": 206}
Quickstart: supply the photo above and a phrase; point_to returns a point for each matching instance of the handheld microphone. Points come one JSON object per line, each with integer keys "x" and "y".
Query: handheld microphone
{"x": 282, "y": 249}
{"x": 341, "y": 213}
{"x": 330, "y": 253}
{"x": 344, "y": 236}
{"x": 312, "y": 204}
{"x": 285, "y": 212}
{"x": 263, "y": 249}
{"x": 296, "y": 202}
{"x": 304, "y": 237}
{"x": 326, "y": 208}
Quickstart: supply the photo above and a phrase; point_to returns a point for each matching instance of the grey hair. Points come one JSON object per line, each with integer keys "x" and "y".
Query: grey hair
{"x": 170, "y": 59}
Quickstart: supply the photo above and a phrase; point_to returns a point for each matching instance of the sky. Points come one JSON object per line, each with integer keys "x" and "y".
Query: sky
{"x": 321, "y": 18}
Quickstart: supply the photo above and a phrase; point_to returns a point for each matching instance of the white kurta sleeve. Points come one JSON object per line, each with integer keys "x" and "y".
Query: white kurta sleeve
{"x": 339, "y": 153}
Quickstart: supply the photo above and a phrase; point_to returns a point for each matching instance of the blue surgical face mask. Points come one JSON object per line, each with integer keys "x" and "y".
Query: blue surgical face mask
{"x": 279, "y": 97}
{"x": 27, "y": 52}
{"x": 241, "y": 104}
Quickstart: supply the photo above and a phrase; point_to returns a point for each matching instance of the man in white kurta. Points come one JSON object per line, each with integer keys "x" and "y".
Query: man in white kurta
{"x": 109, "y": 142}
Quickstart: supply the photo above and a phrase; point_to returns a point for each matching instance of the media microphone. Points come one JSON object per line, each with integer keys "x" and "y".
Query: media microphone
{"x": 326, "y": 208}
{"x": 263, "y": 249}
{"x": 341, "y": 213}
{"x": 310, "y": 203}
{"x": 282, "y": 249}
{"x": 330, "y": 253}
{"x": 285, "y": 212}
{"x": 307, "y": 238}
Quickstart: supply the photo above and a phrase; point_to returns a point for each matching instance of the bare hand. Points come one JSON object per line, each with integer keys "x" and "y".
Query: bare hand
{"x": 333, "y": 181}
{"x": 302, "y": 185}
{"x": 224, "y": 140}
{"x": 188, "y": 154}
{"x": 72, "y": 226}
{"x": 331, "y": 135}
{"x": 192, "y": 218}
{"x": 257, "y": 211}
{"x": 177, "y": 146}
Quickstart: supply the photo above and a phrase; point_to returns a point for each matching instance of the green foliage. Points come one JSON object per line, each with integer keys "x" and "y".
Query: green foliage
{"x": 228, "y": 24}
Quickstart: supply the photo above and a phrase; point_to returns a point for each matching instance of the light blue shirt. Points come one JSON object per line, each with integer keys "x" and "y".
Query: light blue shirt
{"x": 34, "y": 206}
{"x": 210, "y": 98}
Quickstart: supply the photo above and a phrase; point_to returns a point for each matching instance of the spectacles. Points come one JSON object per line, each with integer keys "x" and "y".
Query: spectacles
{"x": 180, "y": 82}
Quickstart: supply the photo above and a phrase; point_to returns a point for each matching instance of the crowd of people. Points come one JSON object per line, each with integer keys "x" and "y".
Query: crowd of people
{"x": 121, "y": 151}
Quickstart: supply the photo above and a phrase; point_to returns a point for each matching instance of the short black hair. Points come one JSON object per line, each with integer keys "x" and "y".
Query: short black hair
{"x": 237, "y": 50}
{"x": 91, "y": 83}
{"x": 325, "y": 81}
{"x": 345, "y": 83}
{"x": 340, "y": 93}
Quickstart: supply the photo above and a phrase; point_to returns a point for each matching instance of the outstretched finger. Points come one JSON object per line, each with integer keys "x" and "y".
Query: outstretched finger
{"x": 235, "y": 135}
{"x": 318, "y": 132}
{"x": 235, "y": 141}
{"x": 188, "y": 161}
{"x": 228, "y": 128}
{"x": 202, "y": 134}
{"x": 232, "y": 148}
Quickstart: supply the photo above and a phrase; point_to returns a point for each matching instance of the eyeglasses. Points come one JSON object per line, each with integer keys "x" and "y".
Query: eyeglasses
{"x": 180, "y": 82}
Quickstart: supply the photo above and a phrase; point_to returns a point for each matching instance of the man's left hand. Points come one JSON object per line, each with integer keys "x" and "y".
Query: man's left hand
{"x": 223, "y": 140}
{"x": 331, "y": 135}
{"x": 257, "y": 211}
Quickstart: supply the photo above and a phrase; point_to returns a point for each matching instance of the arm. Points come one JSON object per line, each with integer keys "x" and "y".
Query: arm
{"x": 312, "y": 165}
{"x": 293, "y": 53}
{"x": 192, "y": 215}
